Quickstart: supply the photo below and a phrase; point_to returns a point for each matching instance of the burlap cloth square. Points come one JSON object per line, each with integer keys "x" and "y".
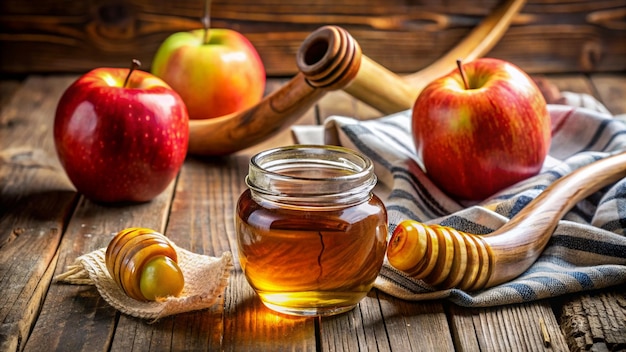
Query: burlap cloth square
{"x": 205, "y": 280}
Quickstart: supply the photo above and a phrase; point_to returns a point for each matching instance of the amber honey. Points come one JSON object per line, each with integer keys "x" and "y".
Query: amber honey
{"x": 312, "y": 240}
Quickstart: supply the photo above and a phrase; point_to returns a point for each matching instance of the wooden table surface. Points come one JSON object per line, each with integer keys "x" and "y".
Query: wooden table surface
{"x": 45, "y": 225}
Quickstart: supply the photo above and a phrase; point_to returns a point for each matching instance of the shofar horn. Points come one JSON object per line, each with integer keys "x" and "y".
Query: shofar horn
{"x": 330, "y": 59}
{"x": 388, "y": 94}
{"x": 446, "y": 258}
{"x": 476, "y": 44}
{"x": 333, "y": 61}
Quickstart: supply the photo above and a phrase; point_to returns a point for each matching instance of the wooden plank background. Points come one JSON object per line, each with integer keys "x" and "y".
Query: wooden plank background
{"x": 76, "y": 36}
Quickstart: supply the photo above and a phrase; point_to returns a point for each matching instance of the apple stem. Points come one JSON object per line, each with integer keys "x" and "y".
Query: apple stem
{"x": 134, "y": 64}
{"x": 459, "y": 64}
{"x": 206, "y": 20}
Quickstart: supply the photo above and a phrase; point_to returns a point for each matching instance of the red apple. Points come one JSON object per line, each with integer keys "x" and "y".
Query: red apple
{"x": 216, "y": 77}
{"x": 121, "y": 141}
{"x": 479, "y": 138}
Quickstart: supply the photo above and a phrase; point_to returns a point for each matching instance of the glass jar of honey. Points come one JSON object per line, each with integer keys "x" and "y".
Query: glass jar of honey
{"x": 311, "y": 234}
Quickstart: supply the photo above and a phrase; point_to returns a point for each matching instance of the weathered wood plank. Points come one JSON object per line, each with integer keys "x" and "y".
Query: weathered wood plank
{"x": 508, "y": 328}
{"x": 8, "y": 87}
{"x": 549, "y": 36}
{"x": 595, "y": 322}
{"x": 415, "y": 326}
{"x": 361, "y": 329}
{"x": 76, "y": 318}
{"x": 611, "y": 89}
{"x": 36, "y": 198}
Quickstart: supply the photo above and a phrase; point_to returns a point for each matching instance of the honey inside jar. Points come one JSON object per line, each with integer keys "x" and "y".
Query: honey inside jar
{"x": 306, "y": 251}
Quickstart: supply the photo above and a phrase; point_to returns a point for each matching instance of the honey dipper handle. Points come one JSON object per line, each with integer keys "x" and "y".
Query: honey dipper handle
{"x": 446, "y": 258}
{"x": 518, "y": 243}
{"x": 231, "y": 133}
{"x": 389, "y": 93}
{"x": 373, "y": 84}
{"x": 331, "y": 59}
{"x": 382, "y": 89}
{"x": 476, "y": 44}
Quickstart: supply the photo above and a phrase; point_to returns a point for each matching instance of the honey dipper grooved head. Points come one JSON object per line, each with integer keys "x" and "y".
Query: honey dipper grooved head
{"x": 329, "y": 58}
{"x": 440, "y": 256}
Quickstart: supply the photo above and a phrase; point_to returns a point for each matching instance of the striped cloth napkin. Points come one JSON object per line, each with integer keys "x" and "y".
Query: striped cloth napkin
{"x": 588, "y": 249}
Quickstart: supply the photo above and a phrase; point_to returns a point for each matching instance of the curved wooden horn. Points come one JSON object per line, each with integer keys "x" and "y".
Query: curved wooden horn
{"x": 477, "y": 43}
{"x": 389, "y": 93}
{"x": 446, "y": 258}
{"x": 329, "y": 58}
{"x": 374, "y": 84}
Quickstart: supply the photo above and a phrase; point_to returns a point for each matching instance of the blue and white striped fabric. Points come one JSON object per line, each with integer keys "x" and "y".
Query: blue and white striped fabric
{"x": 588, "y": 249}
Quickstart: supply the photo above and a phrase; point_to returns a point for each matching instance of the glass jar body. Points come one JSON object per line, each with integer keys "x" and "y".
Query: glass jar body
{"x": 319, "y": 257}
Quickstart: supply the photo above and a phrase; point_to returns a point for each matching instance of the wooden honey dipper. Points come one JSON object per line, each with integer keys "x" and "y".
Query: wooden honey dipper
{"x": 444, "y": 257}
{"x": 330, "y": 59}
{"x": 332, "y": 66}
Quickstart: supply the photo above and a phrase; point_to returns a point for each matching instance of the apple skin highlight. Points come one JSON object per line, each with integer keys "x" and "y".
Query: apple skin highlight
{"x": 474, "y": 142}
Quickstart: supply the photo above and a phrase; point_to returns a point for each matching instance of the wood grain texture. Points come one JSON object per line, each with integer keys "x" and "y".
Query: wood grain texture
{"x": 75, "y": 317}
{"x": 548, "y": 36}
{"x": 611, "y": 90}
{"x": 8, "y": 87}
{"x": 595, "y": 322}
{"x": 478, "y": 42}
{"x": 416, "y": 327}
{"x": 356, "y": 330}
{"x": 36, "y": 201}
{"x": 508, "y": 328}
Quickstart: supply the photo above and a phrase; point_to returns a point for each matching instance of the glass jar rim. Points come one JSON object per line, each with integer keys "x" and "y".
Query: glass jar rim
{"x": 352, "y": 174}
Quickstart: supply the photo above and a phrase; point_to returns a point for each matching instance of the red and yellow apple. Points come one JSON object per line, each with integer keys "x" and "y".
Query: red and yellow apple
{"x": 481, "y": 128}
{"x": 215, "y": 76}
{"x": 121, "y": 137}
